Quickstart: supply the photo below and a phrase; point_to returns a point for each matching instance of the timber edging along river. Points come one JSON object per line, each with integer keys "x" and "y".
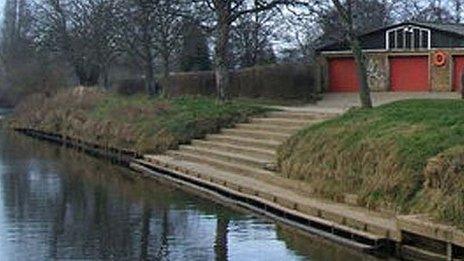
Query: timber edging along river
{"x": 120, "y": 156}
{"x": 431, "y": 245}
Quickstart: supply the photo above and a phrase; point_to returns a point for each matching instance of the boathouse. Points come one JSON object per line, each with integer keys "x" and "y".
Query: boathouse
{"x": 406, "y": 57}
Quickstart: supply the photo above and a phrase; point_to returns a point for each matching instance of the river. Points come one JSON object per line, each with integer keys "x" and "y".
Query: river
{"x": 56, "y": 203}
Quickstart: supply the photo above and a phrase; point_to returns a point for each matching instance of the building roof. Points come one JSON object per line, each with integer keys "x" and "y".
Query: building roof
{"x": 446, "y": 27}
{"x": 453, "y": 28}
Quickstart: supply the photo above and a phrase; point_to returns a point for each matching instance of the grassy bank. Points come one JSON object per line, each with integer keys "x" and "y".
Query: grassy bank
{"x": 135, "y": 122}
{"x": 407, "y": 156}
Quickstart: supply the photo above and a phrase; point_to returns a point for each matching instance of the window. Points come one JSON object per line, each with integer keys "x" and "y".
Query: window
{"x": 417, "y": 39}
{"x": 408, "y": 38}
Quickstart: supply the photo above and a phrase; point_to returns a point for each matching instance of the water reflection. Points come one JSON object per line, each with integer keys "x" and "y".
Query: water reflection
{"x": 59, "y": 204}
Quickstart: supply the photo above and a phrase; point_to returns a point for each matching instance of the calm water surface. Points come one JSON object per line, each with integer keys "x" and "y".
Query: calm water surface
{"x": 59, "y": 204}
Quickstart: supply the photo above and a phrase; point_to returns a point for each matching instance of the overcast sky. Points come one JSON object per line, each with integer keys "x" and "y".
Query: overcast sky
{"x": 1, "y": 8}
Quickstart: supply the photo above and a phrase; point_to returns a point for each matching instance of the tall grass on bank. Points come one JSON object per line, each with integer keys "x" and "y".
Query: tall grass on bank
{"x": 407, "y": 156}
{"x": 135, "y": 122}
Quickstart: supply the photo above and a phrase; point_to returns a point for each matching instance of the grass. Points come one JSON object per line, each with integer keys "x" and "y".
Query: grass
{"x": 407, "y": 156}
{"x": 131, "y": 122}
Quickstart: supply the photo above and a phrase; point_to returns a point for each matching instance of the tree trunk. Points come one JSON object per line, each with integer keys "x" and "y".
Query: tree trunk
{"x": 256, "y": 45}
{"x": 106, "y": 78}
{"x": 222, "y": 53}
{"x": 149, "y": 72}
{"x": 347, "y": 18}
{"x": 148, "y": 59}
{"x": 166, "y": 66}
{"x": 149, "y": 80}
{"x": 364, "y": 90}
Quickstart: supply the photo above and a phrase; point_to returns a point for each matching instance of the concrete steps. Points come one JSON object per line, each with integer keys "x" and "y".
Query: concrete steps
{"x": 307, "y": 116}
{"x": 249, "y": 149}
{"x": 268, "y": 127}
{"x": 258, "y": 175}
{"x": 264, "y": 135}
{"x": 284, "y": 122}
{"x": 242, "y": 158}
{"x": 244, "y": 141}
{"x": 228, "y": 147}
{"x": 224, "y": 165}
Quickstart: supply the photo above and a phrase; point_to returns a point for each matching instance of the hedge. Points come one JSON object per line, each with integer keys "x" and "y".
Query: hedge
{"x": 280, "y": 81}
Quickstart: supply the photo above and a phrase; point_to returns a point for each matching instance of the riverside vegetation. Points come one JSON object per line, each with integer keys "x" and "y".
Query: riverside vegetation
{"x": 140, "y": 123}
{"x": 407, "y": 156}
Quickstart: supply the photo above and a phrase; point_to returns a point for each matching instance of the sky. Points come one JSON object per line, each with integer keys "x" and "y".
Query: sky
{"x": 1, "y": 8}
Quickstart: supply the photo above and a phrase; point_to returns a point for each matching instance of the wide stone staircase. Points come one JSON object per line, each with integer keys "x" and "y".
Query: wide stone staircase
{"x": 247, "y": 149}
{"x": 242, "y": 160}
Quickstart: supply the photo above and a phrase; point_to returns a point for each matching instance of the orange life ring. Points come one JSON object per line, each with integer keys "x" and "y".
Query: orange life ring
{"x": 439, "y": 58}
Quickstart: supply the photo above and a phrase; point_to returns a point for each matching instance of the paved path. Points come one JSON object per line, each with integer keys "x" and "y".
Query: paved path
{"x": 340, "y": 102}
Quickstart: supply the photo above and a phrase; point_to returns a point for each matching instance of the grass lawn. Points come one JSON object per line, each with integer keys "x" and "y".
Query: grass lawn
{"x": 132, "y": 122}
{"x": 407, "y": 156}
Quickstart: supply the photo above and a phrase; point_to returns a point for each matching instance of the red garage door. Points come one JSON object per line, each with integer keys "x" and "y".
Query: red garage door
{"x": 342, "y": 75}
{"x": 457, "y": 72}
{"x": 409, "y": 74}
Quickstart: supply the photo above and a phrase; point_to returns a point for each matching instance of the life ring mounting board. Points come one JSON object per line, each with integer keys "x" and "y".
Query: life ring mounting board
{"x": 439, "y": 58}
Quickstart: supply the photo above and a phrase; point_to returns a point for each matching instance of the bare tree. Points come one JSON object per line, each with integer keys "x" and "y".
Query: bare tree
{"x": 251, "y": 38}
{"x": 428, "y": 11}
{"x": 346, "y": 14}
{"x": 457, "y": 6}
{"x": 24, "y": 70}
{"x": 168, "y": 30}
{"x": 81, "y": 31}
{"x": 226, "y": 12}
{"x": 150, "y": 29}
{"x": 137, "y": 33}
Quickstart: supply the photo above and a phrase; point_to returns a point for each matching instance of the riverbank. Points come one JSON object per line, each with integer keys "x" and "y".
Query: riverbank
{"x": 361, "y": 229}
{"x": 292, "y": 202}
{"x": 135, "y": 123}
{"x": 409, "y": 237}
{"x": 405, "y": 156}
{"x": 61, "y": 204}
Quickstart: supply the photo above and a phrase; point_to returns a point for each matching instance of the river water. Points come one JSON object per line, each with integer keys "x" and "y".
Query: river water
{"x": 59, "y": 204}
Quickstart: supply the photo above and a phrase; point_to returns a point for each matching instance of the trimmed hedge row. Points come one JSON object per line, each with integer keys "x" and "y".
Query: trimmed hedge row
{"x": 280, "y": 81}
